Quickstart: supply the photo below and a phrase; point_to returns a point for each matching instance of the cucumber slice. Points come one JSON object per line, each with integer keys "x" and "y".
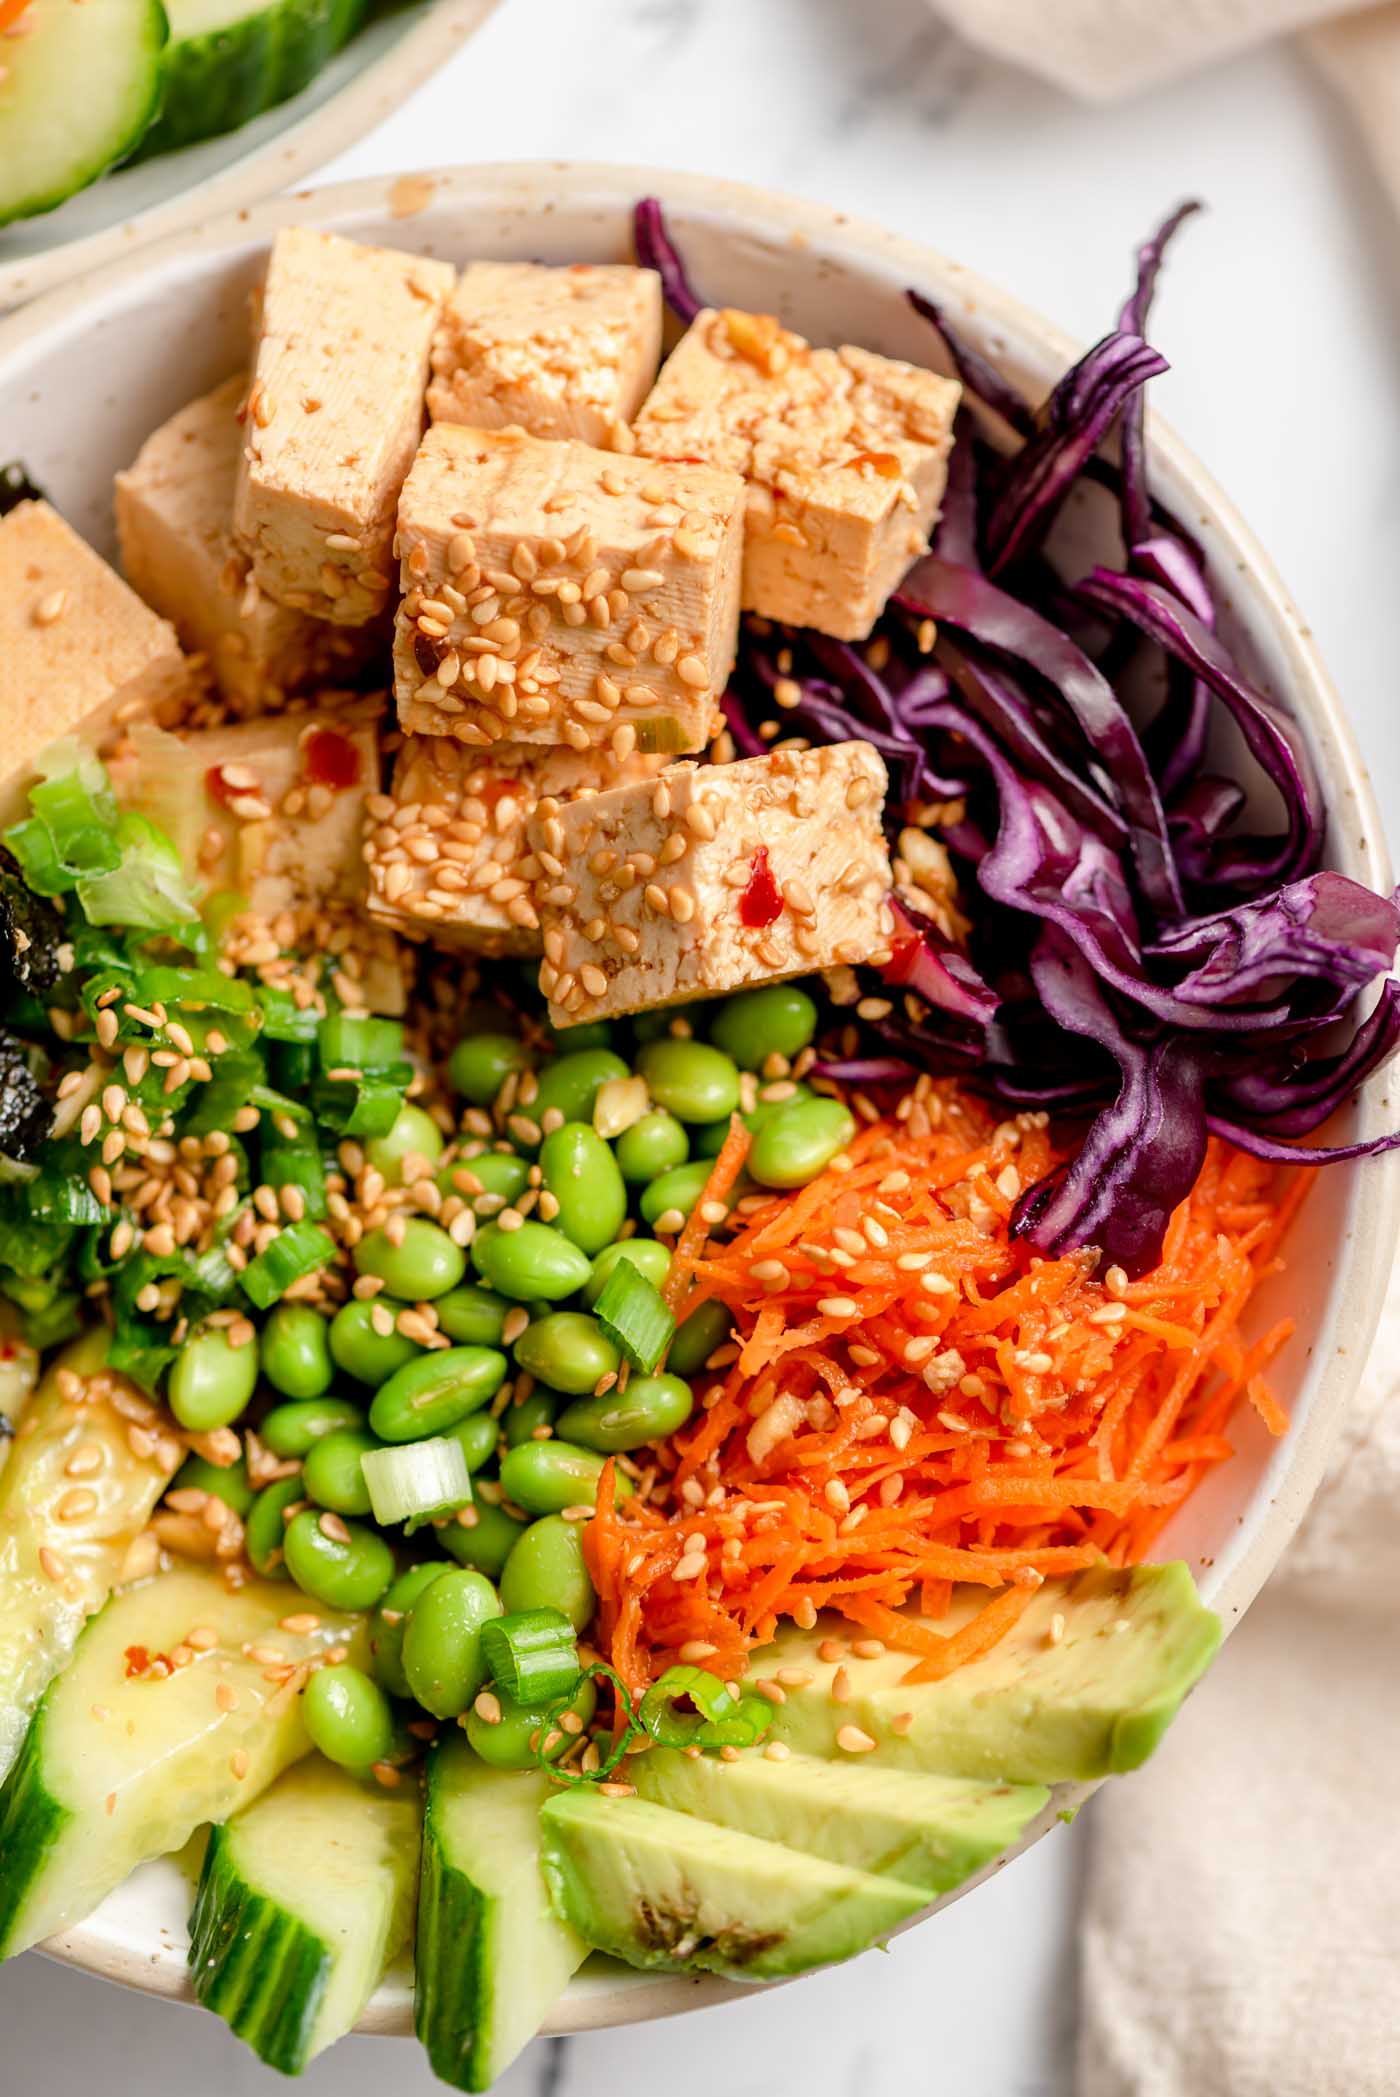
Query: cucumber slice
{"x": 80, "y": 88}
{"x": 124, "y": 1760}
{"x": 55, "y": 1572}
{"x": 492, "y": 1956}
{"x": 229, "y": 60}
{"x": 304, "y": 1899}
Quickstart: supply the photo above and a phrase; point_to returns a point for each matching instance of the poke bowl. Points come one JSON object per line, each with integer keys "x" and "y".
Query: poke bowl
{"x": 88, "y": 373}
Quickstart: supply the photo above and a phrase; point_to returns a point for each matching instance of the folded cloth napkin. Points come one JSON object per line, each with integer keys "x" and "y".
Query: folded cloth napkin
{"x": 1241, "y": 1930}
{"x": 1106, "y": 48}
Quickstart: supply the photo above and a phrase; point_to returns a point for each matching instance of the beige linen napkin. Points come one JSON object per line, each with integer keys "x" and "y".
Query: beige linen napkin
{"x": 1102, "y": 49}
{"x": 1241, "y": 1930}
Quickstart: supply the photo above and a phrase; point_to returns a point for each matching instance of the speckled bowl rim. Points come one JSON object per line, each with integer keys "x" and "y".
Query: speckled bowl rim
{"x": 293, "y": 151}
{"x": 605, "y": 1994}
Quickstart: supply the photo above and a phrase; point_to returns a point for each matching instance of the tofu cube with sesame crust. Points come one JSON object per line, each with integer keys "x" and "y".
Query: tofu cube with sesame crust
{"x": 272, "y": 809}
{"x": 175, "y": 524}
{"x": 845, "y": 454}
{"x": 334, "y": 415}
{"x": 711, "y": 879}
{"x": 80, "y": 654}
{"x": 554, "y": 593}
{"x": 446, "y": 848}
{"x": 559, "y": 352}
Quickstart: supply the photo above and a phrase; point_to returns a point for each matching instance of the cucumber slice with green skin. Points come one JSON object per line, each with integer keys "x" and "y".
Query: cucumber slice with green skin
{"x": 492, "y": 1956}
{"x": 660, "y": 1888}
{"x": 80, "y": 89}
{"x": 54, "y": 1572}
{"x": 124, "y": 1761}
{"x": 304, "y": 1899}
{"x": 931, "y": 1831}
{"x": 229, "y": 60}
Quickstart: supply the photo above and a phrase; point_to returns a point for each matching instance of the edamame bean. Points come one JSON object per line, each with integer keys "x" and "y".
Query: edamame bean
{"x": 538, "y": 1410}
{"x": 493, "y": 1172}
{"x": 567, "y": 1350}
{"x": 228, "y": 1482}
{"x": 690, "y": 1079}
{"x": 414, "y": 1134}
{"x": 504, "y": 1737}
{"x": 485, "y": 1541}
{"x": 295, "y": 1351}
{"x": 211, "y": 1380}
{"x": 571, "y": 1084}
{"x": 776, "y": 1020}
{"x": 477, "y": 1437}
{"x": 291, "y": 1431}
{"x": 387, "y": 1629}
{"x": 709, "y": 1141}
{"x": 697, "y": 1337}
{"x": 676, "y": 1193}
{"x": 647, "y": 1255}
{"x": 368, "y": 1355}
{"x": 424, "y": 1263}
{"x": 588, "y": 1034}
{"x": 442, "y": 1641}
{"x": 657, "y": 1025}
{"x": 546, "y": 1477}
{"x": 435, "y": 1392}
{"x": 582, "y": 1174}
{"x": 265, "y": 1531}
{"x": 799, "y": 1142}
{"x": 534, "y": 1262}
{"x": 546, "y": 1570}
{"x": 473, "y": 1316}
{"x": 655, "y": 1144}
{"x": 332, "y": 1475}
{"x": 350, "y": 1571}
{"x": 348, "y": 1717}
{"x": 650, "y": 1407}
{"x": 481, "y": 1063}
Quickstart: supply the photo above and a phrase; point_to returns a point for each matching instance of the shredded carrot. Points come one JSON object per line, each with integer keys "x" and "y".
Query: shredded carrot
{"x": 919, "y": 1403}
{"x": 10, "y": 13}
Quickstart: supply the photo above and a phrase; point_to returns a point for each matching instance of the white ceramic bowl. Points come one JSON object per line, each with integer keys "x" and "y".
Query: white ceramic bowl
{"x": 85, "y": 373}
{"x": 362, "y": 84}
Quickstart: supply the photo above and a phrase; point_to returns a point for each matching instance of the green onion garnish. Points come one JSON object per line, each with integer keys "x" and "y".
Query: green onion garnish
{"x": 299, "y": 1249}
{"x": 417, "y": 1481}
{"x": 630, "y": 1729}
{"x": 352, "y": 1041}
{"x": 635, "y": 1315}
{"x": 719, "y": 1718}
{"x": 533, "y": 1655}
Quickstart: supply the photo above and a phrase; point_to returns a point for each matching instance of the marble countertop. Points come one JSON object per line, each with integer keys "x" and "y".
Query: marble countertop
{"x": 1279, "y": 313}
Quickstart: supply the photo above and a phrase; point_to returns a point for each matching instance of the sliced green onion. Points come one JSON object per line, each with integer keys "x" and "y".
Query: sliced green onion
{"x": 283, "y": 1019}
{"x": 533, "y": 1655}
{"x": 673, "y": 1728}
{"x": 296, "y": 1162}
{"x": 742, "y": 1728}
{"x": 635, "y": 1315}
{"x": 299, "y": 1249}
{"x": 354, "y": 1041}
{"x": 417, "y": 1481}
{"x": 629, "y": 1730}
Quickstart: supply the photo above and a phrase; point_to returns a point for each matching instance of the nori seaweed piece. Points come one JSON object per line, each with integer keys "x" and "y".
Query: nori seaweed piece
{"x": 17, "y": 487}
{"x": 25, "y": 1115}
{"x": 32, "y": 930}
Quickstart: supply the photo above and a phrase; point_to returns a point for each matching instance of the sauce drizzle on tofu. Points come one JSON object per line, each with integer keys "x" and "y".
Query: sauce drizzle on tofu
{"x": 762, "y": 901}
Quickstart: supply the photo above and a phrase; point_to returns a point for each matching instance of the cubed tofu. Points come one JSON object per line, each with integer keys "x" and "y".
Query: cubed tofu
{"x": 175, "y": 523}
{"x": 712, "y": 878}
{"x": 845, "y": 454}
{"x": 559, "y": 352}
{"x": 80, "y": 654}
{"x": 446, "y": 847}
{"x": 559, "y": 594}
{"x": 334, "y": 415}
{"x": 272, "y": 809}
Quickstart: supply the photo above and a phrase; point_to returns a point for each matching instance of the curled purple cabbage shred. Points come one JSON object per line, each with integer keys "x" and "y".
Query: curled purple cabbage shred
{"x": 1139, "y": 955}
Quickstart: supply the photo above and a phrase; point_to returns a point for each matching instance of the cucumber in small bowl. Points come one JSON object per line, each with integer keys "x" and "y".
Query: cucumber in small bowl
{"x": 81, "y": 87}
{"x": 229, "y": 60}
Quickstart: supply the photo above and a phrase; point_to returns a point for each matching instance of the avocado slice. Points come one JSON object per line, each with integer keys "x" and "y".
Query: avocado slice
{"x": 1039, "y": 1708}
{"x": 931, "y": 1831}
{"x": 659, "y": 1888}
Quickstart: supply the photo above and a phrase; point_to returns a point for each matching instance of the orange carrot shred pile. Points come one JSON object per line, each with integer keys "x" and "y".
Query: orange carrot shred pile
{"x": 913, "y": 1402}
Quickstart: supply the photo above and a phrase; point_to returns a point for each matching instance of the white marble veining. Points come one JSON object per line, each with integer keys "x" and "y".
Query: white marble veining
{"x": 1279, "y": 313}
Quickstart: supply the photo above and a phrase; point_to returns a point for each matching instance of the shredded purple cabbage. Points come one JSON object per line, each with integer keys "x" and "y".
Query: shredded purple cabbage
{"x": 1136, "y": 957}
